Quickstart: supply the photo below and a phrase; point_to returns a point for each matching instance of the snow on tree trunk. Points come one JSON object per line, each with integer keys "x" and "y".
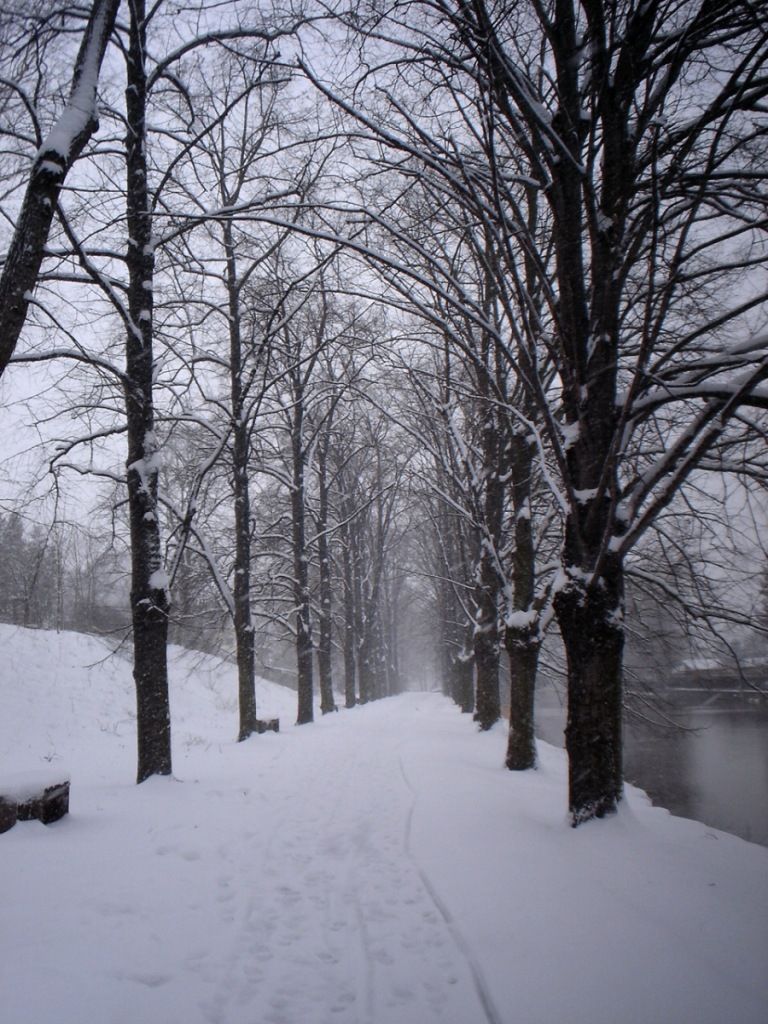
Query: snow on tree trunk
{"x": 360, "y": 616}
{"x": 521, "y": 637}
{"x": 149, "y": 594}
{"x": 590, "y": 624}
{"x": 458, "y": 629}
{"x": 463, "y": 689}
{"x": 486, "y": 652}
{"x": 327, "y": 703}
{"x": 350, "y": 636}
{"x": 62, "y": 146}
{"x": 489, "y": 502}
{"x": 372, "y": 654}
{"x": 523, "y": 653}
{"x": 244, "y": 635}
{"x": 301, "y": 593}
{"x": 365, "y": 668}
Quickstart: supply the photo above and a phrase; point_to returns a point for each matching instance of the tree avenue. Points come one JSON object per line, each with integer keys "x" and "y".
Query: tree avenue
{"x": 432, "y": 317}
{"x": 637, "y": 127}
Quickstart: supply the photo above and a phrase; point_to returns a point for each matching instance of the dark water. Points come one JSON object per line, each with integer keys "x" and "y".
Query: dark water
{"x": 714, "y": 770}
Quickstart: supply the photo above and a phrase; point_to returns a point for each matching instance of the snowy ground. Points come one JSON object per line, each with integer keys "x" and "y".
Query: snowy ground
{"x": 377, "y": 867}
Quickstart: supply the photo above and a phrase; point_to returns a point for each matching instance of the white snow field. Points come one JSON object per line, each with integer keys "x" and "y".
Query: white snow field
{"x": 377, "y": 867}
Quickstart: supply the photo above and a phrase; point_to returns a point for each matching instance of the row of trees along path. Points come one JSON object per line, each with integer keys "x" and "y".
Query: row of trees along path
{"x": 442, "y": 309}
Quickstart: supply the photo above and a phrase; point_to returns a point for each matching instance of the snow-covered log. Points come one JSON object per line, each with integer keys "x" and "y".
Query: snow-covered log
{"x": 40, "y": 794}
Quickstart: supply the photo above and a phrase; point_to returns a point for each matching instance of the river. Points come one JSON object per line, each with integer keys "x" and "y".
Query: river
{"x": 713, "y": 769}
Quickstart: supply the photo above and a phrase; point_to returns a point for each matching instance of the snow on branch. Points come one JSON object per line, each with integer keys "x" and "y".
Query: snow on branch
{"x": 58, "y": 152}
{"x": 79, "y": 119}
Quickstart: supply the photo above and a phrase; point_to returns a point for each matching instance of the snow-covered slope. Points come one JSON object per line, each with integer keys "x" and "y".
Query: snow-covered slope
{"x": 377, "y": 867}
{"x": 67, "y": 699}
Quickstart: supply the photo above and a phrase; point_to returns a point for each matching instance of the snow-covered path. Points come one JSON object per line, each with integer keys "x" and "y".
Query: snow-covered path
{"x": 377, "y": 867}
{"x": 326, "y": 915}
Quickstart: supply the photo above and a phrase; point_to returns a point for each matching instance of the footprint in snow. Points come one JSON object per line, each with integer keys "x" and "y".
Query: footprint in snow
{"x": 149, "y": 979}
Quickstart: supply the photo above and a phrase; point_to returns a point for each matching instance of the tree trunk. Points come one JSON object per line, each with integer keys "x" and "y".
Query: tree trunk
{"x": 244, "y": 636}
{"x": 464, "y": 685}
{"x": 365, "y": 659}
{"x": 589, "y": 608}
{"x": 485, "y": 642}
{"x": 241, "y": 590}
{"x": 149, "y": 595}
{"x": 371, "y": 663}
{"x": 486, "y": 649}
{"x": 324, "y": 661}
{"x": 590, "y": 617}
{"x": 457, "y": 629}
{"x": 361, "y": 626}
{"x": 349, "y": 642}
{"x": 522, "y": 641}
{"x": 304, "y": 651}
{"x": 380, "y": 674}
{"x": 390, "y": 638}
{"x": 523, "y": 652}
{"x": 487, "y": 591}
{"x": 58, "y": 152}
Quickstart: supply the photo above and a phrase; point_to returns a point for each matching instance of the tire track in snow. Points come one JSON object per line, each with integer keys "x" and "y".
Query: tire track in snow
{"x": 492, "y": 1015}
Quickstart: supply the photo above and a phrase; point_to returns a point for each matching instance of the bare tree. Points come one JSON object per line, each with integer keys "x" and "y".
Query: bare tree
{"x": 58, "y": 151}
{"x": 123, "y": 267}
{"x": 223, "y": 256}
{"x": 639, "y": 127}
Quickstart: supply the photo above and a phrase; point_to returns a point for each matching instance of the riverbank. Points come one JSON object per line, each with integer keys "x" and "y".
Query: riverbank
{"x": 713, "y": 767}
